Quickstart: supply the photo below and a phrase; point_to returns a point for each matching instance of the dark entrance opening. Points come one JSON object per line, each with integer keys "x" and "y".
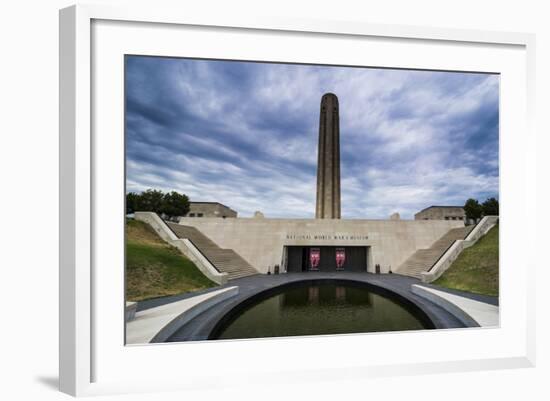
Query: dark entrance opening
{"x": 326, "y": 258}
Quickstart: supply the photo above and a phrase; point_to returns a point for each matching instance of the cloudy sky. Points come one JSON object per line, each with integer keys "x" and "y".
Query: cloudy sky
{"x": 245, "y": 134}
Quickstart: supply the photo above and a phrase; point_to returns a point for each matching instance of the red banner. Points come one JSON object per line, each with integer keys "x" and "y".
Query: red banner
{"x": 314, "y": 258}
{"x": 340, "y": 258}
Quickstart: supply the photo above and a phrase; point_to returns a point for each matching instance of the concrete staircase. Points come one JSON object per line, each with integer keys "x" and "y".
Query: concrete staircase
{"x": 224, "y": 260}
{"x": 423, "y": 259}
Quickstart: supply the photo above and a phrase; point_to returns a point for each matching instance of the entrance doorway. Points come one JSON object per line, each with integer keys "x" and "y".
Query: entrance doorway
{"x": 326, "y": 258}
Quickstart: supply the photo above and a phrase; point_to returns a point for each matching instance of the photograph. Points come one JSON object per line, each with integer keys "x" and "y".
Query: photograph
{"x": 272, "y": 199}
{"x": 275, "y": 200}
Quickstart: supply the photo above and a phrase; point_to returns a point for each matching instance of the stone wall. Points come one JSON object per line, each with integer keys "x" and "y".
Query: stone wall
{"x": 261, "y": 241}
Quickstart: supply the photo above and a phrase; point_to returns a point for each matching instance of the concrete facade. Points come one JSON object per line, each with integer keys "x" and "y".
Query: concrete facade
{"x": 210, "y": 209}
{"x": 328, "y": 160}
{"x": 441, "y": 213}
{"x": 262, "y": 242}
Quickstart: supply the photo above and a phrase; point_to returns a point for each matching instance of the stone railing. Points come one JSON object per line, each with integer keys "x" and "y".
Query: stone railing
{"x": 131, "y": 308}
{"x": 481, "y": 229}
{"x": 184, "y": 245}
{"x": 447, "y": 259}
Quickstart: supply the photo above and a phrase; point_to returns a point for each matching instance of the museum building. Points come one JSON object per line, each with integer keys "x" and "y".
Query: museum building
{"x": 210, "y": 209}
{"x": 441, "y": 213}
{"x": 244, "y": 246}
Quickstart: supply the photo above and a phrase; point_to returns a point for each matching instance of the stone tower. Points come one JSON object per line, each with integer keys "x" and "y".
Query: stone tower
{"x": 328, "y": 161}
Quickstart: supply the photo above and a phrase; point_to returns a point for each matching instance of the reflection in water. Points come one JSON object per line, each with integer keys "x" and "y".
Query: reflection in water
{"x": 340, "y": 294}
{"x": 313, "y": 295}
{"x": 320, "y": 309}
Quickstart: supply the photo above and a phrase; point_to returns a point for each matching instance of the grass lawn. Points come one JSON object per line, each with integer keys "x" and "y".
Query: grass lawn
{"x": 476, "y": 268}
{"x": 155, "y": 268}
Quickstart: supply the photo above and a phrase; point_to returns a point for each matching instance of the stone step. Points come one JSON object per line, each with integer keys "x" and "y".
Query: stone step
{"x": 423, "y": 259}
{"x": 225, "y": 260}
{"x": 236, "y": 270}
{"x": 241, "y": 274}
{"x": 233, "y": 276}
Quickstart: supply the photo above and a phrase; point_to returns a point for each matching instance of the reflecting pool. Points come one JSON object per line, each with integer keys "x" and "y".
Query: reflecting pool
{"x": 319, "y": 307}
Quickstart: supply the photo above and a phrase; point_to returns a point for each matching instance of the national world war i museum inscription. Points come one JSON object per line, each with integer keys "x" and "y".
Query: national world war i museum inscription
{"x": 357, "y": 237}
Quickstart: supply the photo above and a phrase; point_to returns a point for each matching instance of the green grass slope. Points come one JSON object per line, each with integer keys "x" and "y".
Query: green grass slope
{"x": 155, "y": 268}
{"x": 476, "y": 268}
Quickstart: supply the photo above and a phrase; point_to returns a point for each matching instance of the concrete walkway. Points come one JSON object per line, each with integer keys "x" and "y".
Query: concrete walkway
{"x": 157, "y": 324}
{"x": 484, "y": 314}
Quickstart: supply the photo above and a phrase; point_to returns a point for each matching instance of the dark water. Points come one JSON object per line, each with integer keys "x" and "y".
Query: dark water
{"x": 326, "y": 308}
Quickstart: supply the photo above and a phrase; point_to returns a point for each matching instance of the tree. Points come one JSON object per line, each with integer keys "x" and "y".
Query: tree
{"x": 132, "y": 202}
{"x": 151, "y": 201}
{"x": 175, "y": 204}
{"x": 490, "y": 207}
{"x": 473, "y": 209}
{"x": 169, "y": 204}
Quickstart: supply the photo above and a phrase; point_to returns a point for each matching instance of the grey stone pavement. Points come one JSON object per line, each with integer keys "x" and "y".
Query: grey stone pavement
{"x": 200, "y": 327}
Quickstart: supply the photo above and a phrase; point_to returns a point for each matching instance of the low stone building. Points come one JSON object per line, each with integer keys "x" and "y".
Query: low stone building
{"x": 441, "y": 213}
{"x": 210, "y": 209}
{"x": 289, "y": 243}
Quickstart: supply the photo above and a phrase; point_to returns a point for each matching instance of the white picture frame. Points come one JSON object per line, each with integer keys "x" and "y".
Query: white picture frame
{"x": 93, "y": 358}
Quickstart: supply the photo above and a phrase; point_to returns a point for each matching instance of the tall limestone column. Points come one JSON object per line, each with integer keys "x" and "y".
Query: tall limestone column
{"x": 328, "y": 162}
